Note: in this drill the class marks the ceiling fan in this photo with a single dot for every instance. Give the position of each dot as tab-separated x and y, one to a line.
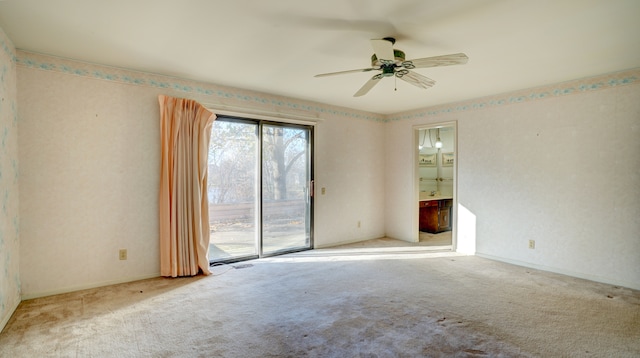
391	62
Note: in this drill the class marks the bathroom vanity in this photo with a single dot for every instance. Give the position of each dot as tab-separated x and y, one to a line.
435	214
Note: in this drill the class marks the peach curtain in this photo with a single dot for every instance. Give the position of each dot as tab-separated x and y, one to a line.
185	128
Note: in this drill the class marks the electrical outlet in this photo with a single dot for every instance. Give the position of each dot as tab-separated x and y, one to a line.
323	191
358	224
532	244
123	254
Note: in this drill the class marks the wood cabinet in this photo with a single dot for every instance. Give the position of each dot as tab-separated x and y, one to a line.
435	215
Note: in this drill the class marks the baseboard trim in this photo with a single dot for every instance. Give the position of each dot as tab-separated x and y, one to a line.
32	295
595	278
346	242
10	313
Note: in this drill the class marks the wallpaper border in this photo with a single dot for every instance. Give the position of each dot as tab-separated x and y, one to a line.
255	99
239	97
587	84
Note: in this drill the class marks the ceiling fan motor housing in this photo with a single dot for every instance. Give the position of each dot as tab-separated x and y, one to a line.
398	54
388	67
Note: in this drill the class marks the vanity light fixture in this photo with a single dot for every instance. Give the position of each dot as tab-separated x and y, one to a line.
438	141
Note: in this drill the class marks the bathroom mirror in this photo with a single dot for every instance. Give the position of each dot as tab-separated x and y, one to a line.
436	158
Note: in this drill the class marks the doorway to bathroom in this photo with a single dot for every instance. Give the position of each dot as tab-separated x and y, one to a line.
435	169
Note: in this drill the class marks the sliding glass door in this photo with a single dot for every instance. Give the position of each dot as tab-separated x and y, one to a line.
259	189
233	190
285	188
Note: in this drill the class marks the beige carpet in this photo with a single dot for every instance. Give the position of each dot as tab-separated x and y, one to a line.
386	301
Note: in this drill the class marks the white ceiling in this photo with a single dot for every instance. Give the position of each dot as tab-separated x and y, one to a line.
277	46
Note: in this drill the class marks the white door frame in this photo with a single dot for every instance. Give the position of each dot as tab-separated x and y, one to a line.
416	178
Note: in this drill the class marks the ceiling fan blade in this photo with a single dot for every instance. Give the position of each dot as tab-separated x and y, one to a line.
343	72
383	49
368	86
444	60
415	79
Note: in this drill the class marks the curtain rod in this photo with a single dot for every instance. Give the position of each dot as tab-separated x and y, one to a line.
261	114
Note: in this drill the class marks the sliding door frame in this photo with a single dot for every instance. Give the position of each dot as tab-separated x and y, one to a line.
259	190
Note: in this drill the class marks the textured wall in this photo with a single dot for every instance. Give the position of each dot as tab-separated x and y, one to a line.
9	216
90	153
558	164
89	163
